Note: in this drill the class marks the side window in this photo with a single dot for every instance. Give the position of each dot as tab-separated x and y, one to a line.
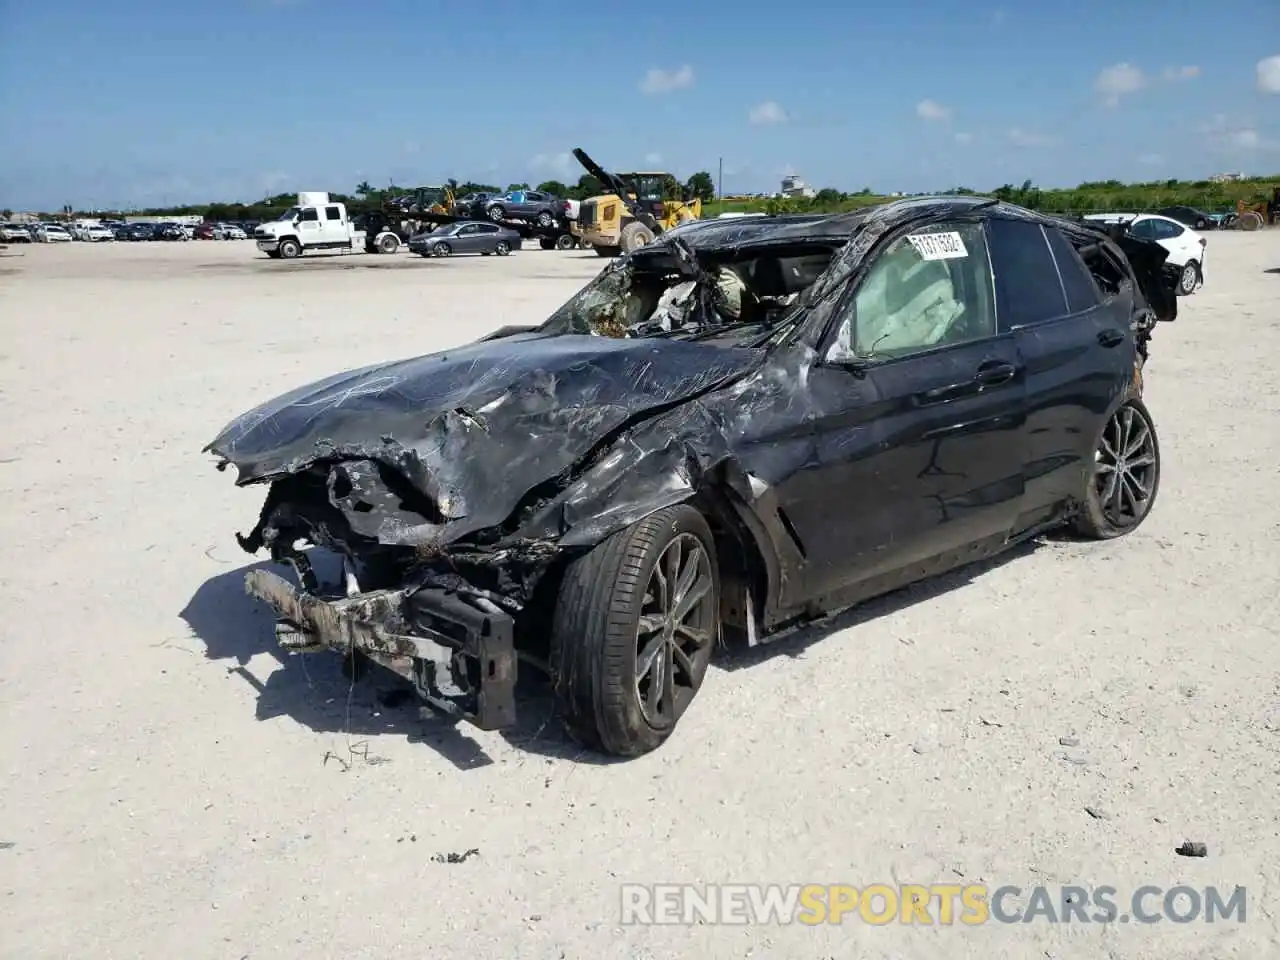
1027	286
469	228
1164	230
1144	229
333	213
489	228
926	290
311	213
1082	293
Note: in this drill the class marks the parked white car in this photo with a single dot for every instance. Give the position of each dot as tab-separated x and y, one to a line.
232	232
1186	247
51	233
95	233
14	233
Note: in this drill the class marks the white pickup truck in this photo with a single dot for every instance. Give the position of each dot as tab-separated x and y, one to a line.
316	223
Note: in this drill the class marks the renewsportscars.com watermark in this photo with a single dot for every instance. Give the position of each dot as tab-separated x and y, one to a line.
924	904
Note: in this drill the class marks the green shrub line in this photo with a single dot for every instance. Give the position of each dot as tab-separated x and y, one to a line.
1095	197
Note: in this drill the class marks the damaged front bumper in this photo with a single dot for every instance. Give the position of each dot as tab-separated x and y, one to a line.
461	658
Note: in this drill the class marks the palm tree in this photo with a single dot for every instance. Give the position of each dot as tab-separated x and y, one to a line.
364	188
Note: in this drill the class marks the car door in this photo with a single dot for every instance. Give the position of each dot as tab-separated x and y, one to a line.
537	202
1077	351
309	231
334	226
487	237
467	239
917	409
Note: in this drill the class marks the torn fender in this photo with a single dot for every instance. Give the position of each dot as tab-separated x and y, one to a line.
430	449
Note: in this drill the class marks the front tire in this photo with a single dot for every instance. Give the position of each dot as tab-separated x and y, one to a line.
1125	476
634	236
635	624
442	250
1189	279
290	249
496	213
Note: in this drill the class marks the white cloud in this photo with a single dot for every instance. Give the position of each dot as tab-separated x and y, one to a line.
653	159
768	112
1180	73
1235	135
1118	81
963	137
1029	138
559	164
658	80
932	110
1151	159
1245	139
1269	75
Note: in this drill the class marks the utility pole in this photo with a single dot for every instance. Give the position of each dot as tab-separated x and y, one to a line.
720	182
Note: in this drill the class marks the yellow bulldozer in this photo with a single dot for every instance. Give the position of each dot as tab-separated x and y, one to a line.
636	208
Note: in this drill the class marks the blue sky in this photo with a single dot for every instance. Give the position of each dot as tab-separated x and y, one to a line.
135	102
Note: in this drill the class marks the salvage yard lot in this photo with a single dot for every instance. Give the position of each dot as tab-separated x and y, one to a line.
172	787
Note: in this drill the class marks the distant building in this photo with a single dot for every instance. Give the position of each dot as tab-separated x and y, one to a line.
1226	177
793	186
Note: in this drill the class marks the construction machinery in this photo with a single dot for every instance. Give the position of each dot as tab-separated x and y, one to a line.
421	200
636	208
1251	216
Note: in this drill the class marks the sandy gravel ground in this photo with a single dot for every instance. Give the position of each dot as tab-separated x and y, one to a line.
172	788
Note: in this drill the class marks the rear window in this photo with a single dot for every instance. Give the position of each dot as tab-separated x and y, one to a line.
1082	293
1027	286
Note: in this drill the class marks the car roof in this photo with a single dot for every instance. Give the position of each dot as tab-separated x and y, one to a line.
821	227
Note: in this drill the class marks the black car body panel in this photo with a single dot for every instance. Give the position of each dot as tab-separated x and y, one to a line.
478	471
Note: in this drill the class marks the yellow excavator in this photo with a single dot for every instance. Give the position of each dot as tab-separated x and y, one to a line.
633	211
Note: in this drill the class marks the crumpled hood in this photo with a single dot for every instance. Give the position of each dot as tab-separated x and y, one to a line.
473	429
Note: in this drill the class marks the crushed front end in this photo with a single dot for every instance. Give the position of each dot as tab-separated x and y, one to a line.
459	657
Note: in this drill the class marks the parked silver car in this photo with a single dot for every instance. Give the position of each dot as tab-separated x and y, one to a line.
466	237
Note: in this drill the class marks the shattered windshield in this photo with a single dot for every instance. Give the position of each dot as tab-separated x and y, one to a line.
659	293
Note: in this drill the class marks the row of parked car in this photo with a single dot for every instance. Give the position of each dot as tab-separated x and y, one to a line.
105	230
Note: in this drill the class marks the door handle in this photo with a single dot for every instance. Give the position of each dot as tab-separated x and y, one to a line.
1111	337
995	371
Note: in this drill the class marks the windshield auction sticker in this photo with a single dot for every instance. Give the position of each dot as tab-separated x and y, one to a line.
938	246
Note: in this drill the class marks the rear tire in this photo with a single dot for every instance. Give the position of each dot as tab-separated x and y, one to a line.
565	241
1125	476
502	248
290	249
1189	279
389	243
496	213
545	219
546	243
635	624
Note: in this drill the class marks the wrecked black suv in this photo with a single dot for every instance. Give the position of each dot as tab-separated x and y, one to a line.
744	426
